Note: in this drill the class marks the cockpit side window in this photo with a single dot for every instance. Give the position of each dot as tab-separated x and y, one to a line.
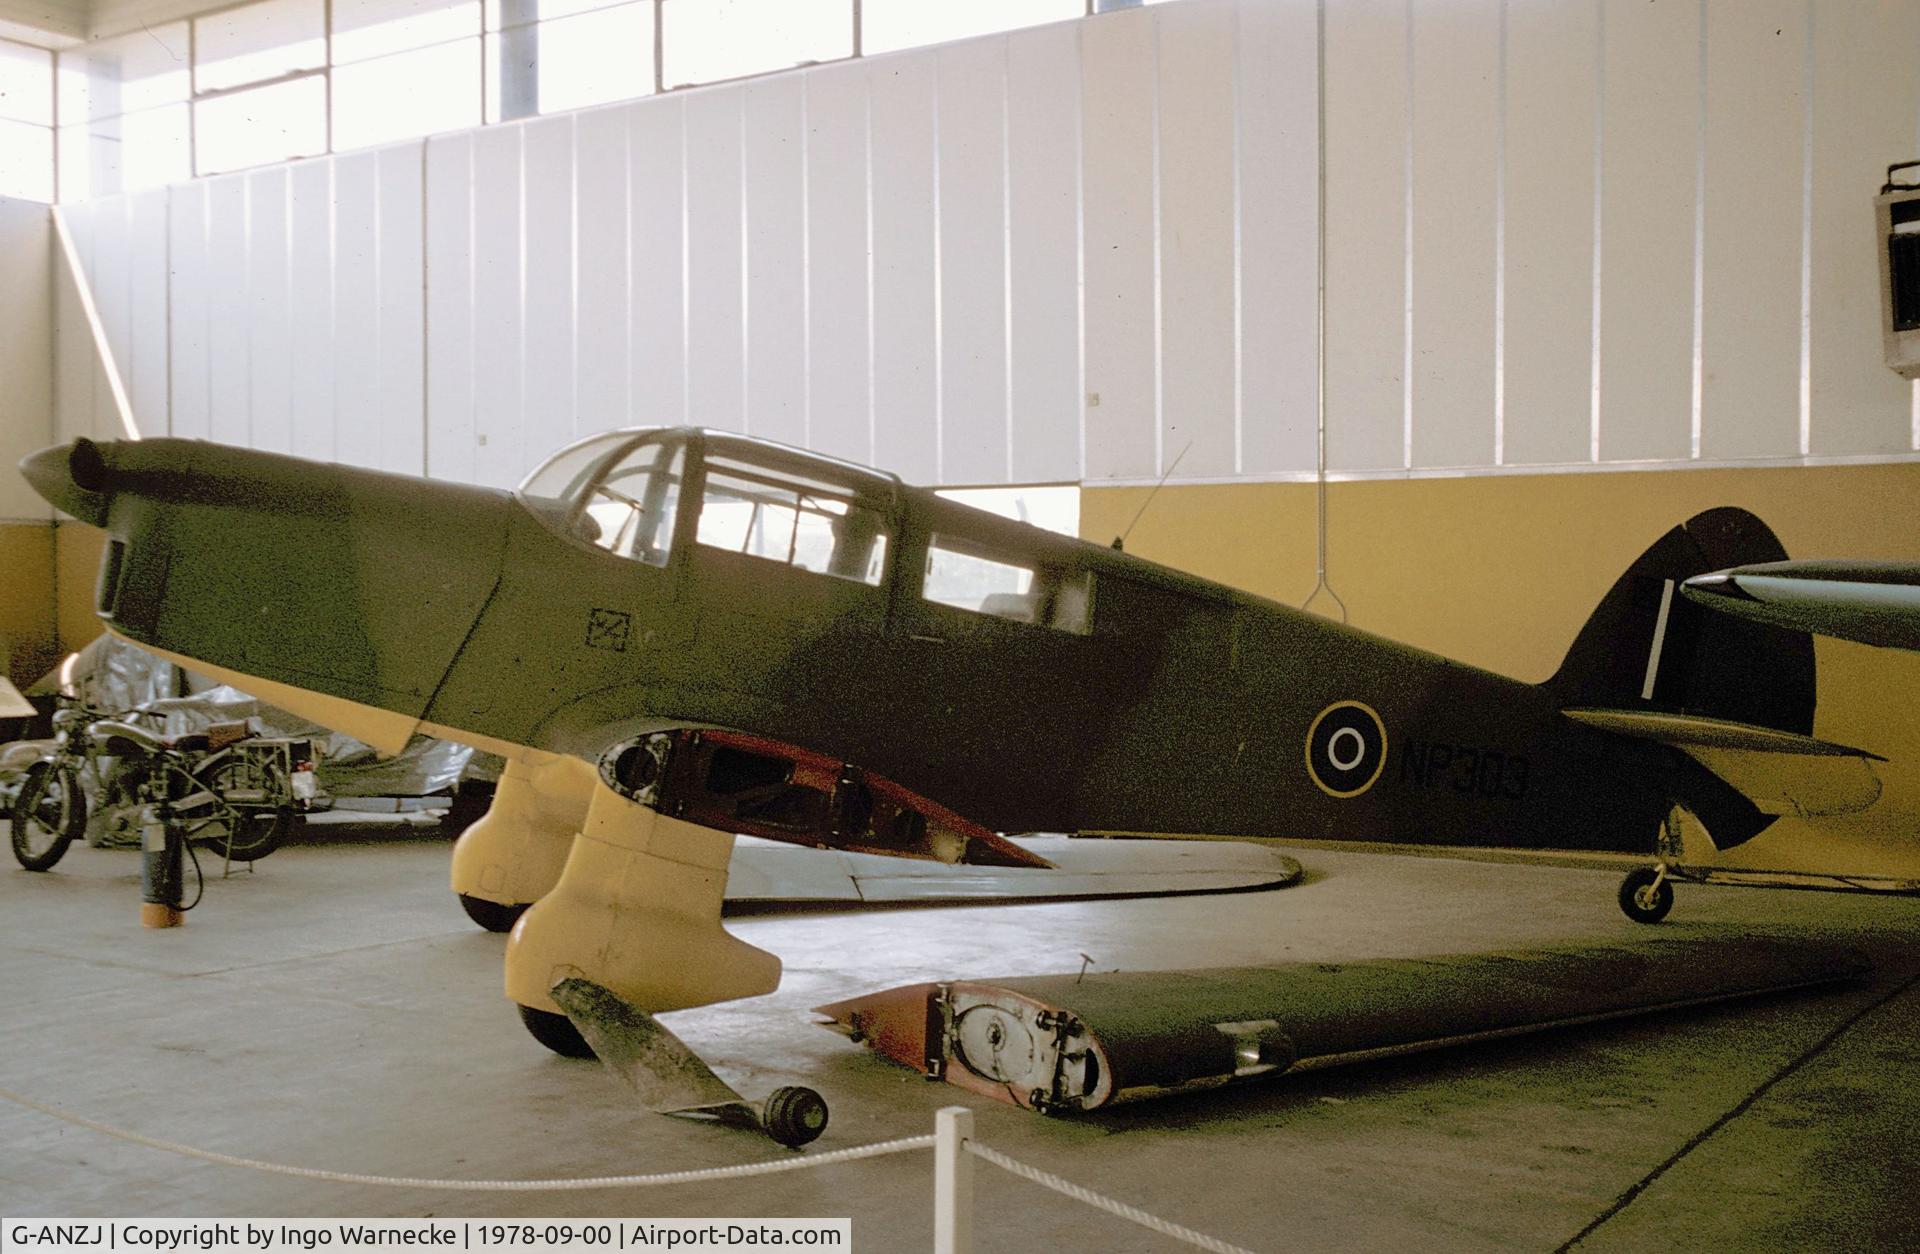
789	518
630	509
971	576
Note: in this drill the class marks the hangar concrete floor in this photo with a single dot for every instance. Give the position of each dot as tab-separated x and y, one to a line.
336	1009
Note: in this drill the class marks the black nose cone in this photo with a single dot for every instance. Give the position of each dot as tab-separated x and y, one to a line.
74	478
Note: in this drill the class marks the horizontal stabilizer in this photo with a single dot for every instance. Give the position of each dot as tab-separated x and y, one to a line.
1782	773
1691	730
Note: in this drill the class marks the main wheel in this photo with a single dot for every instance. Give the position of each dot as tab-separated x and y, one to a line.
47	815
556	1032
469	804
242	833
1646	896
491	914
793	1115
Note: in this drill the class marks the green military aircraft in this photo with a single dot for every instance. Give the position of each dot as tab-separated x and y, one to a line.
677	635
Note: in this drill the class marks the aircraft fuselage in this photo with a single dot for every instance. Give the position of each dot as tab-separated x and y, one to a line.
1159	703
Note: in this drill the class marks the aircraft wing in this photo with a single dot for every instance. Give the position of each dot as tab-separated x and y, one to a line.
1782	773
764	873
1871	602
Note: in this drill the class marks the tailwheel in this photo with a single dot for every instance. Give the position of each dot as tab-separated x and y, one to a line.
491	914
556	1032
1646	895
794	1115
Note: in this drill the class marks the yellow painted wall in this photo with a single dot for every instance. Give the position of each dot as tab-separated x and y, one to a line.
26	600
46	593
1501	571
77	564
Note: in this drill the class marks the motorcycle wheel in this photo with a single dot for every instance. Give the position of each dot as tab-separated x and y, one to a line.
47	815
241	833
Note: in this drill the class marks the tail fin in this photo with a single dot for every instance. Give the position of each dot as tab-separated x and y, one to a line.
1649	648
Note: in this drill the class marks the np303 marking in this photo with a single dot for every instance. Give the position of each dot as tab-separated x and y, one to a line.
1471	769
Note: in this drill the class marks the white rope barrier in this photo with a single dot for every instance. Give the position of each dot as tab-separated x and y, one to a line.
948	1237
740	1171
1100	1201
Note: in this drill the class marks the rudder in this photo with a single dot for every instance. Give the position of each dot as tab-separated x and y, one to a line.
1647	647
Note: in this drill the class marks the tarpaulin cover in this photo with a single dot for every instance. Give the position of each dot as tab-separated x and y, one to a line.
112	675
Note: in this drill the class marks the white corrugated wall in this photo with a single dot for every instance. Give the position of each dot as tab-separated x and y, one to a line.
1560	233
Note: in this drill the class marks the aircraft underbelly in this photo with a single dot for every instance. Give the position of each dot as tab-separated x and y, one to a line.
385	730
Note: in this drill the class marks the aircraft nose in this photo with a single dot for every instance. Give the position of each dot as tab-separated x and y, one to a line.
76	478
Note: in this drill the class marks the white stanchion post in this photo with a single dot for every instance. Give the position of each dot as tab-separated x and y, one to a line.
952	1181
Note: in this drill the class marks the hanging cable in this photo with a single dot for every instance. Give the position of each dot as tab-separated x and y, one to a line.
1320	328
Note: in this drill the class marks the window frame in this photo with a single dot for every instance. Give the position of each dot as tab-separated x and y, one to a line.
1052	574
561	514
485	33
671	459
858	486
50	113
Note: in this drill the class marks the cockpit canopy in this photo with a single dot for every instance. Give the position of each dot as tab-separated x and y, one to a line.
640	493
621	492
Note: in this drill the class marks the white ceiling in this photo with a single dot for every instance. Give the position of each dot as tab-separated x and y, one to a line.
45	23
63	23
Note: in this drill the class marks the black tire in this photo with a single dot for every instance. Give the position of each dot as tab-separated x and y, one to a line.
47	815
556	1032
241	833
491	914
256	833
1642	902
793	1115
469	804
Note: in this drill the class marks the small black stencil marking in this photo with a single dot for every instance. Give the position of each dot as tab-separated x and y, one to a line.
609	629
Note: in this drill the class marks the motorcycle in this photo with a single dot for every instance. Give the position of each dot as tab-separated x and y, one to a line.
234	792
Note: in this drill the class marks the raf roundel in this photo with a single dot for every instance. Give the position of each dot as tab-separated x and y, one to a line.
1346	748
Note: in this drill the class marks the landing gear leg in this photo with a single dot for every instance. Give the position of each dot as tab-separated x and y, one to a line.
637	912
1646	895
510	858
